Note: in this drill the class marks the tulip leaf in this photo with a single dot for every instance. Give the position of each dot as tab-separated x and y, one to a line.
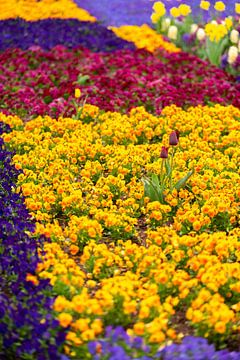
183	181
155	180
152	188
168	168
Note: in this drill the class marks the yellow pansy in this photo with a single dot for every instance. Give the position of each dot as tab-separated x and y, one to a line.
159	8
184	9
175	12
237	8
205	5
219	6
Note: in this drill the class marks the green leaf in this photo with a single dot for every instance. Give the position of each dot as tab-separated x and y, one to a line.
152	190
155	180
148	188
47	99
183	181
168	168
215	50
82	79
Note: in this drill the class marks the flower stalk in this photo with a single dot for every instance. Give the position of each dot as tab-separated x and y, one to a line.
156	185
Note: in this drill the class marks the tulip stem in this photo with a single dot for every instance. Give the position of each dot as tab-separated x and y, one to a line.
161	172
171	167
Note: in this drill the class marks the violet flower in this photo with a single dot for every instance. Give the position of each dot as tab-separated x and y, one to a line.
19	33
23	305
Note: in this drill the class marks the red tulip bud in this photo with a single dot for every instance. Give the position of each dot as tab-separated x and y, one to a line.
164	153
173	138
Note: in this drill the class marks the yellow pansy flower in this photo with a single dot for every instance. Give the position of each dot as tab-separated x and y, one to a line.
77	93
159	8
155	17
237	8
175	12
184	9
204	5
219	6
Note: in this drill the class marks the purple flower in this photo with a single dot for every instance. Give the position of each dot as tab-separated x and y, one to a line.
224	61
34	35
25	305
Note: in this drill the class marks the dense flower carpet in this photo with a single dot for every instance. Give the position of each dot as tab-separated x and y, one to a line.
119	180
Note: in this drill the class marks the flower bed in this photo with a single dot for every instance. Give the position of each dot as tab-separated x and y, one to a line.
115	81
18	33
139	258
119	195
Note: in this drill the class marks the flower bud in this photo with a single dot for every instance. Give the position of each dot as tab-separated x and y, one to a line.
194	28
187	38
165	24
224	61
172	32
77	93
201	34
177	133
164	152
234	36
232	54
174	138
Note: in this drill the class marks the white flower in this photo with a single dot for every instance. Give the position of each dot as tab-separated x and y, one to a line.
194	28
201	34
165	24
234	36
232	54
172	32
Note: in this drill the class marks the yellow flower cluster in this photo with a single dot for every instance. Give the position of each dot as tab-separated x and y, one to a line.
182	10
81	229
210	309
117	256
159	11
57	266
144	37
36	10
215	31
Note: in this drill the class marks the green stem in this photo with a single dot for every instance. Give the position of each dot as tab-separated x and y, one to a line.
171	166
161	173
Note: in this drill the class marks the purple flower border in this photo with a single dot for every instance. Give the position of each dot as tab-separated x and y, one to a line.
27	325
48	33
